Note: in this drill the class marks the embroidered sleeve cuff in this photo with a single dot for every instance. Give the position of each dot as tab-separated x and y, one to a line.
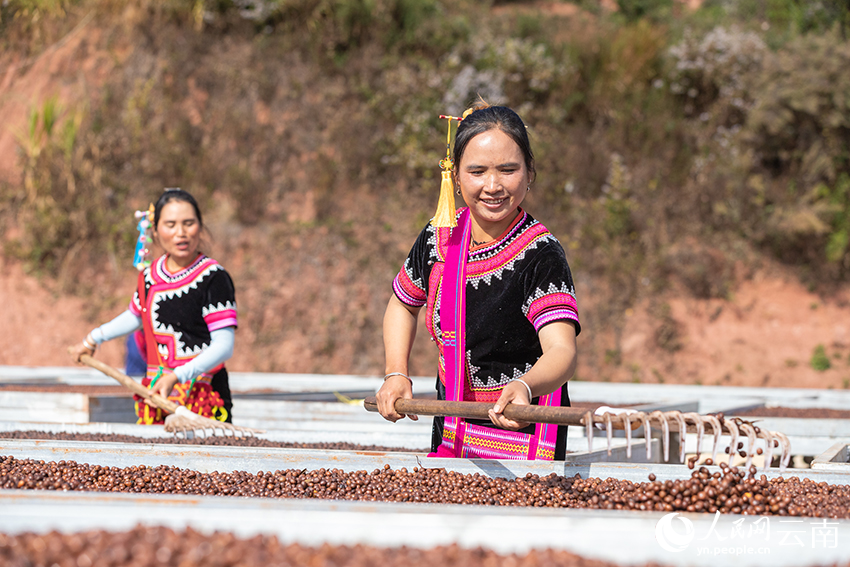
553	307
220	316
407	292
216	323
135	308
556	315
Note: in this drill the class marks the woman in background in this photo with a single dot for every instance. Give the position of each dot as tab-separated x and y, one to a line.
186	304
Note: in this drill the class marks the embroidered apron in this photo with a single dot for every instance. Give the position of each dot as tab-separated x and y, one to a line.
197	395
462	439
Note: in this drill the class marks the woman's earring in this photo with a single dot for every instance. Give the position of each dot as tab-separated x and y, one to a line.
528	188
457	190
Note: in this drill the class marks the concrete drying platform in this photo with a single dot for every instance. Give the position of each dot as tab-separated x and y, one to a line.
640	537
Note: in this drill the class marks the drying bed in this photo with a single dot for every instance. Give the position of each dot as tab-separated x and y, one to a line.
506	530
215	440
143	546
797	413
729	490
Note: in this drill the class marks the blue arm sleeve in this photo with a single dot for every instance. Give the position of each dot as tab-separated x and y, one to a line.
220	350
122	325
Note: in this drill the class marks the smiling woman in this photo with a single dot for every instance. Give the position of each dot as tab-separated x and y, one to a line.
186	304
499	297
493	182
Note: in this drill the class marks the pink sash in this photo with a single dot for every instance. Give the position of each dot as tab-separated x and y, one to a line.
462	439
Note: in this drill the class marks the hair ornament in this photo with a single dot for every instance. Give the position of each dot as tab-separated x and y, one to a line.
445	215
141	258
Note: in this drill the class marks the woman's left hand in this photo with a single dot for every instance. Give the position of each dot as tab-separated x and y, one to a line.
164	385
514	393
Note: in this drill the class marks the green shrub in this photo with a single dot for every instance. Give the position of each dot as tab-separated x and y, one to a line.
67	211
633	10
820	361
798	134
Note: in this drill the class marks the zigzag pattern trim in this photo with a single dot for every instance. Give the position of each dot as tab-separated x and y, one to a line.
407	289
202	268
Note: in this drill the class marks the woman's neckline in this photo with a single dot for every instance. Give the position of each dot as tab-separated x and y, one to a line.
180	270
475	247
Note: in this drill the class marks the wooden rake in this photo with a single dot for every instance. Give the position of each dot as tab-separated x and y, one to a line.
622	419
180	419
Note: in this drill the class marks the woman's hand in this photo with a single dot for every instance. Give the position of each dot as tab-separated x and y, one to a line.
87	346
164	385
514	393
399	332
394	388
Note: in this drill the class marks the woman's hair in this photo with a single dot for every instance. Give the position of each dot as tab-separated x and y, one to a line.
485	117
175	195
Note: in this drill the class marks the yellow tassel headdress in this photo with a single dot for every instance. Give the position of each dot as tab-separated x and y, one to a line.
445	215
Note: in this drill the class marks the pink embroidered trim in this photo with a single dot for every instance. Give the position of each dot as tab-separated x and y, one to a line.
221	319
407	291
551	307
134	307
556	315
479	268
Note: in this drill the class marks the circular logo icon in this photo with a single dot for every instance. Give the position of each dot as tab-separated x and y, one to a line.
668	538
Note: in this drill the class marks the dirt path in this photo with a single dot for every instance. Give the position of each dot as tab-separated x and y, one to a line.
764	335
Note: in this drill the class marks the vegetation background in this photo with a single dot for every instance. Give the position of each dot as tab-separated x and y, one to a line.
686	152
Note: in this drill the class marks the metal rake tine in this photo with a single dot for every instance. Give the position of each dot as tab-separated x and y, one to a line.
627	423
697	419
785	443
608	431
733	444
717	430
665	429
768	441
750	432
683	431
647	434
665	433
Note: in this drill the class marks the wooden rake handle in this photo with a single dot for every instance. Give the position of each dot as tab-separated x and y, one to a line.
479	410
130	384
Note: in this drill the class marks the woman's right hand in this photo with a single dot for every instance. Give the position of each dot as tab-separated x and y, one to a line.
394	388
78	350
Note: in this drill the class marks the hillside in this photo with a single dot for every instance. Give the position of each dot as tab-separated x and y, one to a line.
708	244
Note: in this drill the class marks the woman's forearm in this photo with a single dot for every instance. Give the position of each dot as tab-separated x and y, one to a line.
558	362
124	324
399	333
219	350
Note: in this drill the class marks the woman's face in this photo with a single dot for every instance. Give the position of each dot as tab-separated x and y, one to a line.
493	180
179	232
